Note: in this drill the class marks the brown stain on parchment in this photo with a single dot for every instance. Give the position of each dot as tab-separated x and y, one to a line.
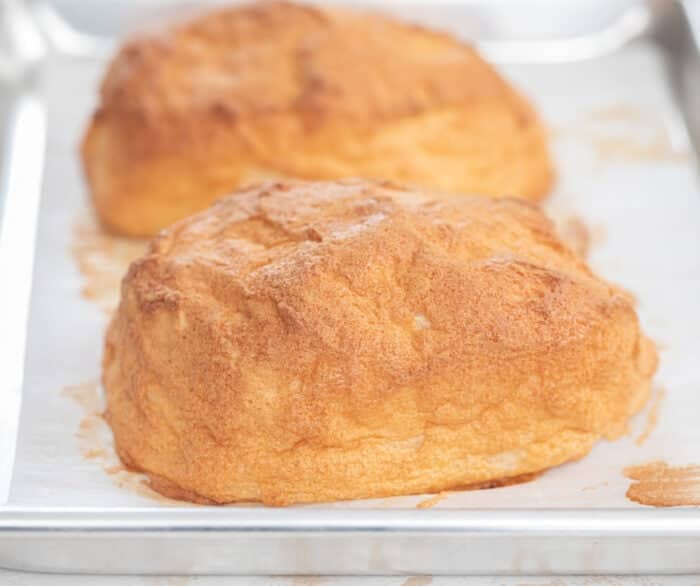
659	148
433	500
622	132
96	445
418	581
86	395
103	260
652	415
616	113
659	485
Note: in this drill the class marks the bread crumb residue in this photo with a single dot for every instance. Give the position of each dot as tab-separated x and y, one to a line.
103	260
96	445
659	485
433	500
652	415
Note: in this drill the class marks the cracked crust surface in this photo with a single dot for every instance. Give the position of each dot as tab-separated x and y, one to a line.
304	342
276	90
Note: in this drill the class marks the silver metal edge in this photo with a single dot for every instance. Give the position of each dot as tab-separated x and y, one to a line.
20	192
682	56
550	522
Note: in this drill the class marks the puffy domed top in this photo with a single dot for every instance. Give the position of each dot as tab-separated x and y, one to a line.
279	90
297	328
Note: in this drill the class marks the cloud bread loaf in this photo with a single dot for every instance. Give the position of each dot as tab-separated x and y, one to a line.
276	90
302	342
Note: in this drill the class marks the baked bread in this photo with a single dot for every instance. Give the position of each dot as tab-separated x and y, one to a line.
275	90
302	342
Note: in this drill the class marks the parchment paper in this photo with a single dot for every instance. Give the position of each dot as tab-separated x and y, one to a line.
625	168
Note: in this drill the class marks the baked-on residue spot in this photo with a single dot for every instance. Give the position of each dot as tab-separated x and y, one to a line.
96	445
433	500
626	133
659	485
652	415
103	260
86	395
418	581
659	148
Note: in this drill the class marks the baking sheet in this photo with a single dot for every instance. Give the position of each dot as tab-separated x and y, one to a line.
625	169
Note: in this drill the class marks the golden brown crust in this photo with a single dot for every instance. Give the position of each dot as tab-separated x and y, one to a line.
304	342
282	90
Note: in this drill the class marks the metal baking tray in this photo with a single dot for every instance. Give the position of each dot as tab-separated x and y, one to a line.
628	170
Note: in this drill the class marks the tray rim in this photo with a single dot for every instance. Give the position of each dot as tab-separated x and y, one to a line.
615	522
